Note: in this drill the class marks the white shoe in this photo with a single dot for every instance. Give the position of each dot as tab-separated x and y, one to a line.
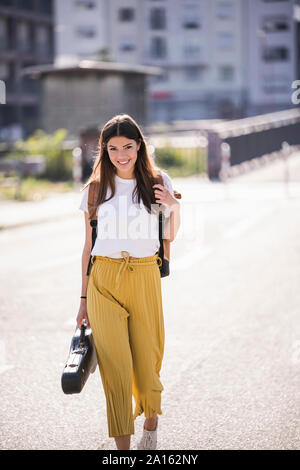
149	439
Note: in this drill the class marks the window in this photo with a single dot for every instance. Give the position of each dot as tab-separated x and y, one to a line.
271	89
23	36
276	54
278	80
44	7
25	4
226	73
86	32
42	40
225	40
191	50
192	74
85	4
191	17
224	10
3	34
158	18
127	45
158	48
6	3
275	23
126	14
276	83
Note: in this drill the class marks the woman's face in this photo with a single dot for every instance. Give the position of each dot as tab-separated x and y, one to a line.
123	154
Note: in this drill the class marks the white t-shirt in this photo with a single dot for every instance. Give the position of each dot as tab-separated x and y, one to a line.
126	225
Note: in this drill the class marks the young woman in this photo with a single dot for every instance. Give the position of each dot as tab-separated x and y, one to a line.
121	297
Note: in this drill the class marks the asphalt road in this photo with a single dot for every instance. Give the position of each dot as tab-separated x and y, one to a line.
231	369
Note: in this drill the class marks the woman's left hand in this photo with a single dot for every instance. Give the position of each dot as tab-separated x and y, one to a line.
163	196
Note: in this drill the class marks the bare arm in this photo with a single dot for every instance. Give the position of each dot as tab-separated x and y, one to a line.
173	222
86	255
82	313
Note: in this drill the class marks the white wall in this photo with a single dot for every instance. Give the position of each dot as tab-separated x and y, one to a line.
72	23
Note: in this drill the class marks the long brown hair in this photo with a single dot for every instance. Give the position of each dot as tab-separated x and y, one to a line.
145	171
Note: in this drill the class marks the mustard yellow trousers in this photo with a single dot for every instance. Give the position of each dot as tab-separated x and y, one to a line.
124	306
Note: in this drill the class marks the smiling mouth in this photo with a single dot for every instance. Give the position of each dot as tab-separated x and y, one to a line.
124	163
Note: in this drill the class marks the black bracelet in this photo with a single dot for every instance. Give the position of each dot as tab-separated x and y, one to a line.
83	297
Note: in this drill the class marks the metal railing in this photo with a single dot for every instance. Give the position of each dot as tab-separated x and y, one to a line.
251	138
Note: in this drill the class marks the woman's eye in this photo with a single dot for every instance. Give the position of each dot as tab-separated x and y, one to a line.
127	148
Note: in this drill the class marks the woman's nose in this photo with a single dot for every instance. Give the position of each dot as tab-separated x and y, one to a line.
121	153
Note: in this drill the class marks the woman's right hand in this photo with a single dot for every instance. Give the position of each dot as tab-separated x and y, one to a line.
82	315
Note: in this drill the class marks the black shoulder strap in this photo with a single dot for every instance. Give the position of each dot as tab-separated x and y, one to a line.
93	224
161	249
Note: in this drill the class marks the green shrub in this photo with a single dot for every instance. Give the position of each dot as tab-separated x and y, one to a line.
58	162
181	161
169	156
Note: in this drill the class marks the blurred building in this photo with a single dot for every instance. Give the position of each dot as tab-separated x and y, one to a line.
81	30
272	55
297	29
26	38
220	59
199	45
83	96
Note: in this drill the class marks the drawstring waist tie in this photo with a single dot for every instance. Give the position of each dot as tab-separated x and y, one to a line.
127	262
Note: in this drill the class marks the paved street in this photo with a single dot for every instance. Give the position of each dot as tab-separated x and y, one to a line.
231	369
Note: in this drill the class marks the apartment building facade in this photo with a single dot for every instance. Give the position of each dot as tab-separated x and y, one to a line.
80	30
198	45
272	54
219	58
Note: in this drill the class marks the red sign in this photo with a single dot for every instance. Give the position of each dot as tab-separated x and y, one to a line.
160	95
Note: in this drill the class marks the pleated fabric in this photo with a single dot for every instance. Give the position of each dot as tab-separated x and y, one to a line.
124	305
